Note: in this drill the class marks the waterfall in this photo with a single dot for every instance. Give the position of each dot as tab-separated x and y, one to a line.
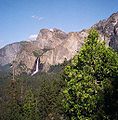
36	68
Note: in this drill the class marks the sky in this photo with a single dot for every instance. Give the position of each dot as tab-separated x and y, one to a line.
23	19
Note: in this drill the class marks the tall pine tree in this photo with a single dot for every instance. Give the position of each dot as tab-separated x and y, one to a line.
89	80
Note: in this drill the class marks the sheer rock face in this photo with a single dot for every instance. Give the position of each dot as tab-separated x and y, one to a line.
57	45
66	50
50	38
109	30
20	52
9	53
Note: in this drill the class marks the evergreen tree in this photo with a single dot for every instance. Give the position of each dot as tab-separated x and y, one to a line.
49	99
30	109
89	80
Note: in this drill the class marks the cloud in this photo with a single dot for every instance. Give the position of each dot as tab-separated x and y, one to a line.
37	17
32	37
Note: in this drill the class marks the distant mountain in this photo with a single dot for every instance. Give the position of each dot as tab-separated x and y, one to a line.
55	46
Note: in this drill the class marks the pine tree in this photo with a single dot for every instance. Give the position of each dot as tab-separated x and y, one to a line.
88	80
30	109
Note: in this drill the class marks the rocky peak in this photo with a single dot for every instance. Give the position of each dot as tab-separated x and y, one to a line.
51	33
44	34
113	18
107	26
109	30
50	38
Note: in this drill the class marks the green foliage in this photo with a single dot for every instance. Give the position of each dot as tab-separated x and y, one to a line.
41	98
13	111
37	53
59	68
49	100
47	87
30	110
88	78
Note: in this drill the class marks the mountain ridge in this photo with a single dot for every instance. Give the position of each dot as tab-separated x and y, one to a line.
58	45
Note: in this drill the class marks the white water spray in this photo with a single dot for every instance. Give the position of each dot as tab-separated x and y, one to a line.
37	67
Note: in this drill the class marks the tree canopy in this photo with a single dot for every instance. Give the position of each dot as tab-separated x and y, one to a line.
89	80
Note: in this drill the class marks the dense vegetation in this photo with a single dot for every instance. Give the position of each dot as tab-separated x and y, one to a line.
86	89
32	98
92	82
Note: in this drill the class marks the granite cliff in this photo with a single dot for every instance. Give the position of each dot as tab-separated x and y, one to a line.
55	45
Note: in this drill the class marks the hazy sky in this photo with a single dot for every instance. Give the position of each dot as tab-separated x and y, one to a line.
20	19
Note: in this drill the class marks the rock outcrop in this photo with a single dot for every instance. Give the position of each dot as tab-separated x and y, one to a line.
65	50
50	38
9	53
109	30
55	45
